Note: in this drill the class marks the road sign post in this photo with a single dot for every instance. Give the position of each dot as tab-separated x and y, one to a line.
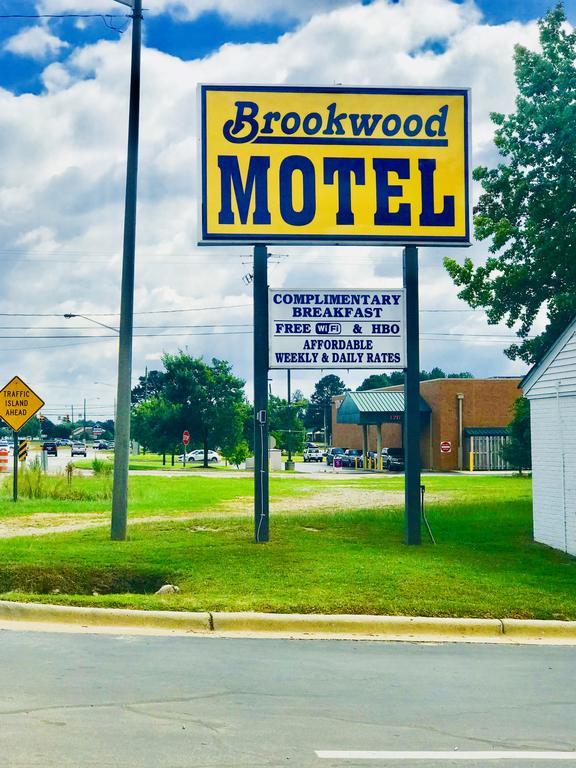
15	457
185	441
18	403
261	507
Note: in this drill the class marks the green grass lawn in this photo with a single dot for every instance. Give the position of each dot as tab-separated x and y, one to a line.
147	461
346	558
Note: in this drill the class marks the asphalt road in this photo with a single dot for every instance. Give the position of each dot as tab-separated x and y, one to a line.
150	702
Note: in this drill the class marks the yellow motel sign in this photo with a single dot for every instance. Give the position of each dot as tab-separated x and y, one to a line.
18	403
335	165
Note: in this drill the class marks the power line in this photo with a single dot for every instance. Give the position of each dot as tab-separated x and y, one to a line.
117	314
91	328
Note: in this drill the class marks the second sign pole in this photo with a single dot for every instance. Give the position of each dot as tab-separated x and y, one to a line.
412	398
261	522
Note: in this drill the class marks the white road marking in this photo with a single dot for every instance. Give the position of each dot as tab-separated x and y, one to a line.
452	755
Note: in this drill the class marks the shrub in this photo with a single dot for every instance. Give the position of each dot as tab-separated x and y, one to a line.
102	468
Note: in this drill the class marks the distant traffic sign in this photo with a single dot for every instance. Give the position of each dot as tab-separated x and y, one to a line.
186	437
446	446
22	450
18	403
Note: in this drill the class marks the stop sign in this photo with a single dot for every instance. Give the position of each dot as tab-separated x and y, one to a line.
445	446
185	437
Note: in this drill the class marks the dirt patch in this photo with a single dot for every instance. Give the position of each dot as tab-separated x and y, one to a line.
311	500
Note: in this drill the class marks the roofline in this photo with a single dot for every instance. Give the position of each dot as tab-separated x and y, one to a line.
534	373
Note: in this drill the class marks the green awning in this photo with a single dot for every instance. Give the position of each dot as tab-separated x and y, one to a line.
374	407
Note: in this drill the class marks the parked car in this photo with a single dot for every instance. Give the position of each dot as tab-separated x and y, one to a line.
352	458
78	449
313	454
393	459
331	452
50	447
198	455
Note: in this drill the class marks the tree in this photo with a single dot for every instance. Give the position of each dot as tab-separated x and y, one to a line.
528	204
396	378
149	385
319	411
517	451
211	399
156	425
286	423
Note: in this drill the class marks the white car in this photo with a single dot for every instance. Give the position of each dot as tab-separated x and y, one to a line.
198	455
313	454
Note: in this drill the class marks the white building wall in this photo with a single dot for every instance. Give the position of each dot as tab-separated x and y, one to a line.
553	422
561	369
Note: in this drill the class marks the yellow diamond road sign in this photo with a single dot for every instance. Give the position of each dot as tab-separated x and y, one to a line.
18	403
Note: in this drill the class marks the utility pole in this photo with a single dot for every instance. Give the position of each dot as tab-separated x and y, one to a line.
84	425
123	396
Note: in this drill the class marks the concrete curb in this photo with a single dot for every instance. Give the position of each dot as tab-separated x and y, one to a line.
410	628
98	617
539	630
407	627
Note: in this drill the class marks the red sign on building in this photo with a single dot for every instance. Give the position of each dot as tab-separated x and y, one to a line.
446	446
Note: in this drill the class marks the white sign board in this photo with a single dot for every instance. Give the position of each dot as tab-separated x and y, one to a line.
337	329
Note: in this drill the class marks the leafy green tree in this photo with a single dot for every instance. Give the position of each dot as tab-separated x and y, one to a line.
286	423
236	454
517	451
319	411
150	385
211	399
396	378
62	430
156	425
528	205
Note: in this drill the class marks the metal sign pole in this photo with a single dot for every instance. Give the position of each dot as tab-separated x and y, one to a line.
261	522
15	465
412	398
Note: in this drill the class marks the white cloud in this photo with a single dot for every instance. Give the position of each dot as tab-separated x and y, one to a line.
35	42
62	188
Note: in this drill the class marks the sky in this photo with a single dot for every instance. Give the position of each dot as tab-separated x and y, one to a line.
63	127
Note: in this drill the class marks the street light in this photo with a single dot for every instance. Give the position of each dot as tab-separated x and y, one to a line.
69	315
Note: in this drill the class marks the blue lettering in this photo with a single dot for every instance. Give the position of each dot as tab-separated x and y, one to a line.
440	119
344	167
429	217
246	111
256	185
385	190
364	123
287	168
413	125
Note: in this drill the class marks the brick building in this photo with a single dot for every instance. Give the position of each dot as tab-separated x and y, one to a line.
467	416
